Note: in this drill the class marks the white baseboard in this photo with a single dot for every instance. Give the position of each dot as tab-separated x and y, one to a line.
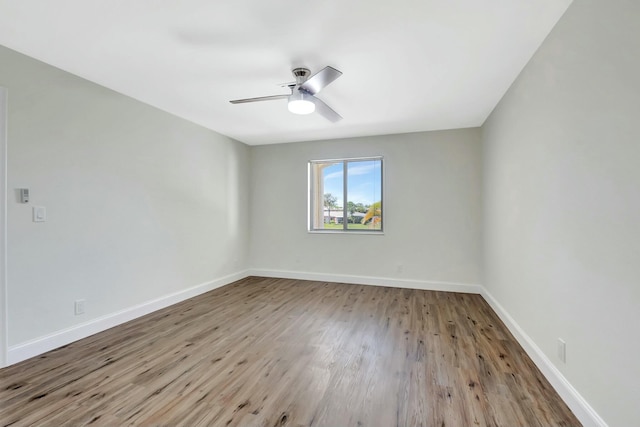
585	413
35	347
582	410
367	280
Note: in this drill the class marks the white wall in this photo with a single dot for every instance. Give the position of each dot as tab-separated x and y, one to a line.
140	204
562	202
432	209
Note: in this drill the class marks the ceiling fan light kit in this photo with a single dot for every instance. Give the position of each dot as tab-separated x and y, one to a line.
301	103
302	99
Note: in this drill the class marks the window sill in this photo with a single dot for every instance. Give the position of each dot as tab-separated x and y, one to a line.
370	233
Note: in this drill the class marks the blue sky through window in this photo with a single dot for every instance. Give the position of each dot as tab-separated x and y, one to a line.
364	181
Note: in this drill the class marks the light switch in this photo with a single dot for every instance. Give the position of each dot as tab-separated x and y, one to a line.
39	214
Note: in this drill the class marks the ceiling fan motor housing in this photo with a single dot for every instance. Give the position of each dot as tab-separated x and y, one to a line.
301	74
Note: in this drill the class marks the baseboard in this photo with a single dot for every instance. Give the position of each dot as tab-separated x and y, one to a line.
582	410
368	280
585	413
26	350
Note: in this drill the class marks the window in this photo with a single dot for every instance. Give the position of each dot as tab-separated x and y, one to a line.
345	195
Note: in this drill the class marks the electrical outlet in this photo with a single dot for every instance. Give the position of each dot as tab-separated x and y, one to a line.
562	350
79	307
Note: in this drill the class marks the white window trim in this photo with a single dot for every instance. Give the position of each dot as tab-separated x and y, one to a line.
311	204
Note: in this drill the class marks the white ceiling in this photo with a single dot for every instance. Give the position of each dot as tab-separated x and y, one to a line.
409	65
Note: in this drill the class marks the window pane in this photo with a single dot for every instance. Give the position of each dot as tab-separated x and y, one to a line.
364	195
346	194
327	181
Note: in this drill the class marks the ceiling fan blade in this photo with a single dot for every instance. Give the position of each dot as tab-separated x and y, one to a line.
325	111
261	98
288	84
319	80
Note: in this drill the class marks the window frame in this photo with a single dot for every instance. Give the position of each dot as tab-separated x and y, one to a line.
311	205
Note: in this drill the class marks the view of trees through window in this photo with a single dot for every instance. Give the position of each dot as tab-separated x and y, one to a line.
346	194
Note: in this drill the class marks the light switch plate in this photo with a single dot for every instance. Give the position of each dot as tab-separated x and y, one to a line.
39	214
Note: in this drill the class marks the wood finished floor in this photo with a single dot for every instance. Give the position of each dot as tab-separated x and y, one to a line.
276	352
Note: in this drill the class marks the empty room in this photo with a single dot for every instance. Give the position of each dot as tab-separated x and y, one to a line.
289	213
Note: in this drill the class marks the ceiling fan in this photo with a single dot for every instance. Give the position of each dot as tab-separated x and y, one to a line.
302	99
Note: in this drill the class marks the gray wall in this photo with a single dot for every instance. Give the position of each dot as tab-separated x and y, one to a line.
432	209
140	203
562	202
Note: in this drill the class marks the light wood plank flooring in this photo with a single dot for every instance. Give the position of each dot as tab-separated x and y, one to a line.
275	352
